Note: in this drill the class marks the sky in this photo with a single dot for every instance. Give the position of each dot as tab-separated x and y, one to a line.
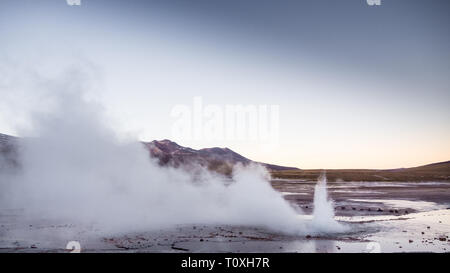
357	86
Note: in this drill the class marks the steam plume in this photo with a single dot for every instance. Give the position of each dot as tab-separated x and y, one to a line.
77	170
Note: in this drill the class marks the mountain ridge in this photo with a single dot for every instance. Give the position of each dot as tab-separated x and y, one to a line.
169	152
222	160
214	158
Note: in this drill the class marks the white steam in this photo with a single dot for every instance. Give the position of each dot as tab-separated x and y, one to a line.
323	214
76	170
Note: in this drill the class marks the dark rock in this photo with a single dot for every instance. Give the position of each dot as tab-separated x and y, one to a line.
342	208
428	227
353	208
179	248
443	239
308	236
201	240
33	246
380	210
410	241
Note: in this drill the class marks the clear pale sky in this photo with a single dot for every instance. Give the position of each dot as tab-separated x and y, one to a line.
357	86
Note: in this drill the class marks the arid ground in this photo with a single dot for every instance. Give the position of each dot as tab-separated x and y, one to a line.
381	216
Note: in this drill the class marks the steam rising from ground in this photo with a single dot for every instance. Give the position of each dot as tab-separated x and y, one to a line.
77	170
323	215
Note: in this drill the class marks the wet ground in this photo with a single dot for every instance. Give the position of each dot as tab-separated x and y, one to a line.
381	216
370	198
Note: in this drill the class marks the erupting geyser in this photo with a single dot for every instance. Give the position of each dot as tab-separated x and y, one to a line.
323	214
76	170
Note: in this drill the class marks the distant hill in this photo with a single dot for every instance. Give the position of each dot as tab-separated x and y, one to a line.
218	159
434	167
168	152
222	160
432	172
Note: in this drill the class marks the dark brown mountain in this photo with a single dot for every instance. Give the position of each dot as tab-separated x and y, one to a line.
168	153
223	159
218	159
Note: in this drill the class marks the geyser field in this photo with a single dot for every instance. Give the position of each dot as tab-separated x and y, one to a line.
77	181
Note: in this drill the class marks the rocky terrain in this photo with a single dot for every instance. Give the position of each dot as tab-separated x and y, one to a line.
382	213
381	217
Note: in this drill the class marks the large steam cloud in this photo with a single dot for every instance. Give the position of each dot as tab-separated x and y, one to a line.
76	169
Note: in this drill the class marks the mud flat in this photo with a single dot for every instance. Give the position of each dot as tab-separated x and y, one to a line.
370	198
381	216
